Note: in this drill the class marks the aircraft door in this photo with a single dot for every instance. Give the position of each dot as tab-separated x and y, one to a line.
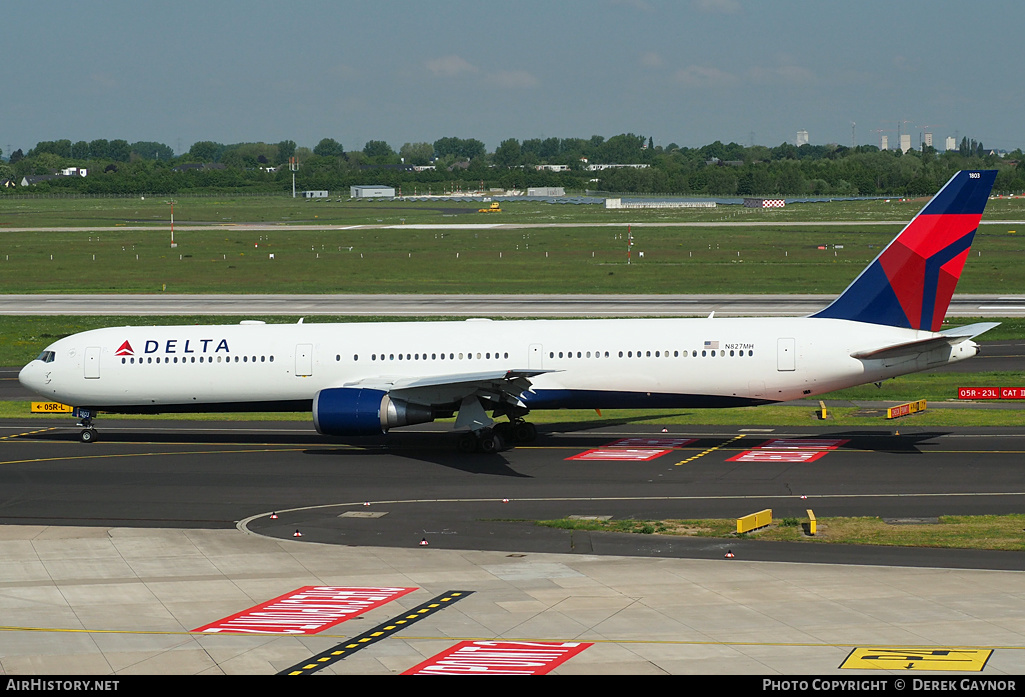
535	357
91	365
303	360
786	354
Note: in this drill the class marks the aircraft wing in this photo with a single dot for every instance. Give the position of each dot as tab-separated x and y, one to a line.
497	385
949	337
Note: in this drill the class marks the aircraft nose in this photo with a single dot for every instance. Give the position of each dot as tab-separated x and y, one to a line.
31	376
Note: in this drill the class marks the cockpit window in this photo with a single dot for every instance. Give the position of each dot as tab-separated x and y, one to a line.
47	356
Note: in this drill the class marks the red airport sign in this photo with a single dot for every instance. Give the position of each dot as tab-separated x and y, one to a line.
991	392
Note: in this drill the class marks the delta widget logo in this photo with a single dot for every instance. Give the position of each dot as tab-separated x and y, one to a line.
125	350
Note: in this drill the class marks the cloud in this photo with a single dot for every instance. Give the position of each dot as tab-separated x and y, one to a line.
450	66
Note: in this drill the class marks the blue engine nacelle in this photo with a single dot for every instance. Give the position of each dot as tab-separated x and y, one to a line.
348	411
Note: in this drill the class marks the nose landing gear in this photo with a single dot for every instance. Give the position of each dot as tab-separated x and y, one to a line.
88	434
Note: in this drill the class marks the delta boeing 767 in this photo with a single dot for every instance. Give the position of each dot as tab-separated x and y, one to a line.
366	378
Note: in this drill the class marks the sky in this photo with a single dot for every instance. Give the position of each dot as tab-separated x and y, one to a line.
688	72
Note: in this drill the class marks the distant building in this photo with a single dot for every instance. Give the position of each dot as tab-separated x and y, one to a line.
927	139
545	191
393	168
885	144
905	142
320	193
950	143
802	138
36	179
552	168
598	168
371	191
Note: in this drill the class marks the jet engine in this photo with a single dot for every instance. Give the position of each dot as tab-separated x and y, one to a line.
349	411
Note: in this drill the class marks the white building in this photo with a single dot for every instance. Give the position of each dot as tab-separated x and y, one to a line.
950	144
802	138
598	168
905	142
371	191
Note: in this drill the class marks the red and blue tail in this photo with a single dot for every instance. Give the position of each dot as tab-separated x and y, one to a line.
911	282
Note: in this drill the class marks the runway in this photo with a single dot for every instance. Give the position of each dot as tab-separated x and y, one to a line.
111	553
467	305
204	474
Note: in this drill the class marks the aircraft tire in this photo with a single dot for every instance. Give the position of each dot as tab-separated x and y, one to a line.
467	442
87	435
524	432
491	443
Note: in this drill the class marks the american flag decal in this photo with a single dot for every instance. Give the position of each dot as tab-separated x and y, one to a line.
711	344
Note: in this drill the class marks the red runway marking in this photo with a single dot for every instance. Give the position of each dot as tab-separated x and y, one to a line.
653	442
626	454
803	443
778	456
790	450
306	610
499	658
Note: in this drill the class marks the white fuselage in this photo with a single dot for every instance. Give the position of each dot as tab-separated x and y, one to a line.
605	363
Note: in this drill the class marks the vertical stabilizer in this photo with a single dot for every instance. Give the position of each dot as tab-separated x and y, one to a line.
911	282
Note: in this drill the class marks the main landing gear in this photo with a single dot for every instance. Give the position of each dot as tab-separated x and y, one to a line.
88	434
497	438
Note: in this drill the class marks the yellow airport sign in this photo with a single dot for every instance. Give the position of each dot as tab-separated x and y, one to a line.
754	521
906	409
51	408
917	658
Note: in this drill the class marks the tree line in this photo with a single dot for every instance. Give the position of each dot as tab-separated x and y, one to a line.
451	163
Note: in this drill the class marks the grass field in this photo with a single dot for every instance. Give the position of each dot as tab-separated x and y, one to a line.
226	209
568	419
964	532
572	259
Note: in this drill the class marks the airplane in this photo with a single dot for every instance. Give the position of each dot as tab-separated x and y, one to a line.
367	378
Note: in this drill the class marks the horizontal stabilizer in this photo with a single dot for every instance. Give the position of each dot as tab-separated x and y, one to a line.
949	337
970	331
